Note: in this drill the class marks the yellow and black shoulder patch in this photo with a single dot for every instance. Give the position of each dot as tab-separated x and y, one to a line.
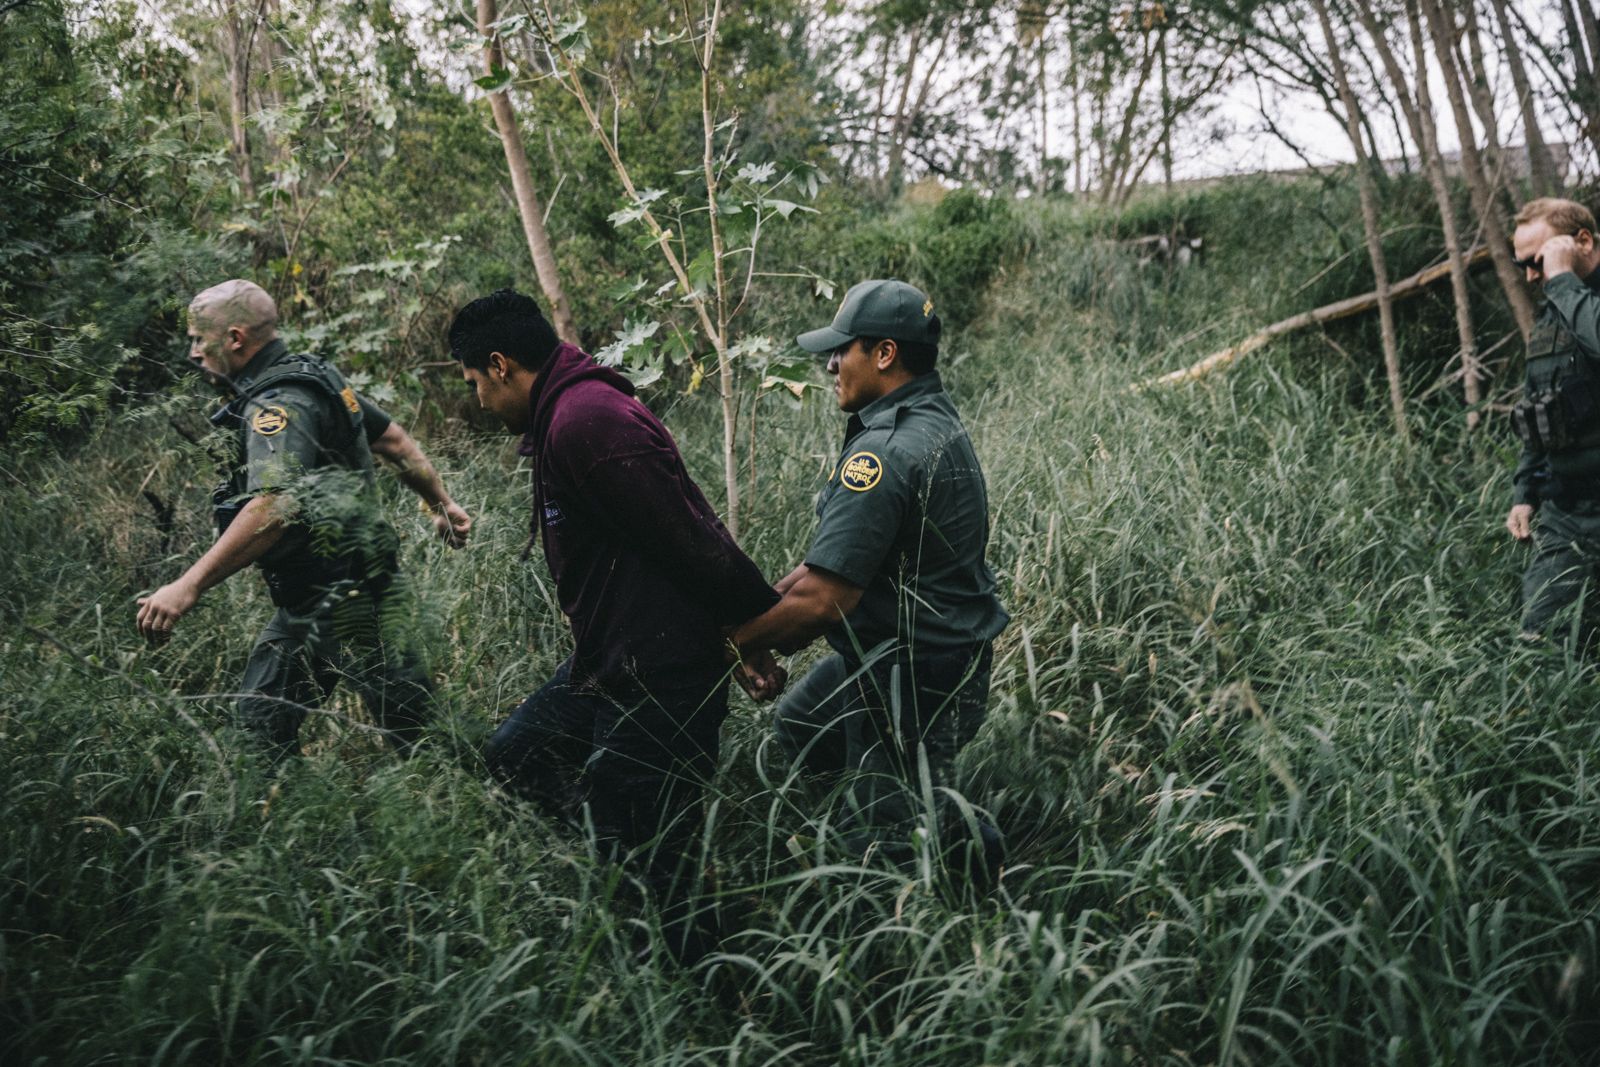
861	472
269	421
349	396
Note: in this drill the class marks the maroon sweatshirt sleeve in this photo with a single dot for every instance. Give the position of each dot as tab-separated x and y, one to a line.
630	473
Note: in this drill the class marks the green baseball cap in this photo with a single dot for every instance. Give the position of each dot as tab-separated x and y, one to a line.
878	308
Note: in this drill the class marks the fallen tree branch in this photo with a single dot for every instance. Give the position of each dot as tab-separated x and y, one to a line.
1340	309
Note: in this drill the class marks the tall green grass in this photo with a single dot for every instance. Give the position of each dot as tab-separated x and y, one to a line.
1279	783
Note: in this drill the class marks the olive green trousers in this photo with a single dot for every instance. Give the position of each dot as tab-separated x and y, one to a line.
1562	573
350	634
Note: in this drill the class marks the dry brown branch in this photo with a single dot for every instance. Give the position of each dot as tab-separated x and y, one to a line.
1339	309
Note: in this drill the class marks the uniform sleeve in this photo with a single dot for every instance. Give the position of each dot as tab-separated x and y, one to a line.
1524	484
374	420
864	512
1578	307
282	438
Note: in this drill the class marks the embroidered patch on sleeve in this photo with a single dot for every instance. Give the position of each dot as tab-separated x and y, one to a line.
269	421
861	472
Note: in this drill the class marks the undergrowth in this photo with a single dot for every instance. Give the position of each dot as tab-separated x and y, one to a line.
1279	783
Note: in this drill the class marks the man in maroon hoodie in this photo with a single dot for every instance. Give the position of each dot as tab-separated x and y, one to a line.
649	578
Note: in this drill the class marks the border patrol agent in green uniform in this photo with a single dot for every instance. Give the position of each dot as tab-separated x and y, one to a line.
299	430
896	580
1558	417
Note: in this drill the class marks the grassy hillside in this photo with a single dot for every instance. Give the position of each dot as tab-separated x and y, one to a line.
1279	782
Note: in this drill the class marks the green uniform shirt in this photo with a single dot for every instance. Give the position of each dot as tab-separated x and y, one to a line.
905	515
1570	318
295	430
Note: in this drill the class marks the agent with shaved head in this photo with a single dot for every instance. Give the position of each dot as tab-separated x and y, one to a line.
299	501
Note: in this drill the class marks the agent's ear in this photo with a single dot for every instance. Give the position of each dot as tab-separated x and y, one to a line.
884	353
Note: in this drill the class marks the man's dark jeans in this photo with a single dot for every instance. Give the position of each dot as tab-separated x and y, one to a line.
894	728
640	759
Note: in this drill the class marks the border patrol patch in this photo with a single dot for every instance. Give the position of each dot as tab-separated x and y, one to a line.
349	396
861	472
269	421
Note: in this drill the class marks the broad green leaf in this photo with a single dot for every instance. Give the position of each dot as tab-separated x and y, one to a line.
497	79
625	288
807	177
788	207
702	270
645	375
756	173
678	347
632	335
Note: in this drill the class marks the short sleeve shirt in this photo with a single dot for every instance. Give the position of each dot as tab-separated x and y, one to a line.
905	516
285	429
290	430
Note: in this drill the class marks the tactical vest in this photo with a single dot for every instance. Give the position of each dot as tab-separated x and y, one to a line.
298	573
1560	410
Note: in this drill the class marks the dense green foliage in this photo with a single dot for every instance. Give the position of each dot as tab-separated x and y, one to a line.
1280	785
91	214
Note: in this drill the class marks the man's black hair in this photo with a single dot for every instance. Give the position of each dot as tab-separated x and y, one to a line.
919	357
507	322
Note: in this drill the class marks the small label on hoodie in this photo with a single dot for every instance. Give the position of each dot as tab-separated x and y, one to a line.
552	513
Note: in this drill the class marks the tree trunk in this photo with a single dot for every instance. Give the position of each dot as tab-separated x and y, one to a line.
1044	116
1583	84
1419	117
240	27
1166	119
903	130
1541	167
730	410
1591	33
528	206
896	139
877	114
1483	199
1121	155
1077	125
1483	103
271	52
1369	219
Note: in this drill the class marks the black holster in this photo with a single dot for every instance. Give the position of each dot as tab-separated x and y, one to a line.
1557	419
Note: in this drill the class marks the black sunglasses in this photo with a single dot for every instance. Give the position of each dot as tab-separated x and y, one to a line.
1533	262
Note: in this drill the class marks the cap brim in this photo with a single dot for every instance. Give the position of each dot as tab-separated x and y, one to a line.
823	340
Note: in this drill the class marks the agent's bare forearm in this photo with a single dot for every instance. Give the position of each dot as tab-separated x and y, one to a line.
813	600
253	531
787	581
401	450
